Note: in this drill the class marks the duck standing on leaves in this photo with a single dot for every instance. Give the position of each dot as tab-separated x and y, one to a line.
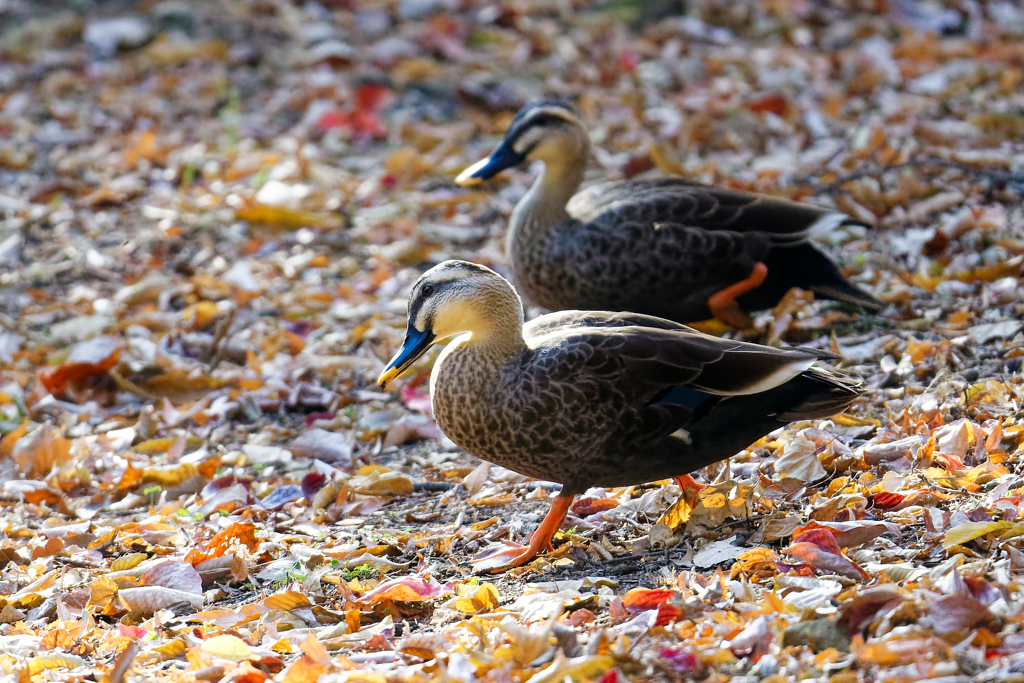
673	248
588	398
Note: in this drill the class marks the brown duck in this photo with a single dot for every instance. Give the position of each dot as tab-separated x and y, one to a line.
592	398
673	248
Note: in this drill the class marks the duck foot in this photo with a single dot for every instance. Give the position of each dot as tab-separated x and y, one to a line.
689	488
723	302
503	557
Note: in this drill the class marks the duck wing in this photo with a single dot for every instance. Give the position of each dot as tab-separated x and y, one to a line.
693	204
654	354
666	245
621	403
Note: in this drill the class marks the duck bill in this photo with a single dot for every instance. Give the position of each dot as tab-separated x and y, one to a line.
503	157
415	345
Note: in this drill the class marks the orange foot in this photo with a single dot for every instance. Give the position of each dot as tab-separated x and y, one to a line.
690	488
502	558
723	302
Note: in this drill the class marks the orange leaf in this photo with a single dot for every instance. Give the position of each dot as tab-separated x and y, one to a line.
303	670
7	443
37	453
130	478
240	533
87	359
208	468
316	652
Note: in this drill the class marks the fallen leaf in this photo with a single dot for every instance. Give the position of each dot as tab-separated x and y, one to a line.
227	647
287	601
87	359
970	531
484	599
150	599
799	460
180	576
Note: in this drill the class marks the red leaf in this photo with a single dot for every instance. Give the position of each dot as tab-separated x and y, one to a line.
332	119
132	631
416	398
667	614
887	500
311	483
819	536
588	505
406	589
642	599
370	96
775	103
819	549
681	661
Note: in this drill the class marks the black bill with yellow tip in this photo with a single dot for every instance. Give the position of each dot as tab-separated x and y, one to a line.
415	345
503	157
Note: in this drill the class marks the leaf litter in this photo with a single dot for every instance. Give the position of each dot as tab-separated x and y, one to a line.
209	221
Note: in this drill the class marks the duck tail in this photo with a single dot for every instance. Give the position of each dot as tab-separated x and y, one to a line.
809	268
824	393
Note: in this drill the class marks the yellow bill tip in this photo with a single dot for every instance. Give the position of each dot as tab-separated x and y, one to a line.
387	376
468	177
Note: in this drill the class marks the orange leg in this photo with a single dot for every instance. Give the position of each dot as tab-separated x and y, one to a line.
723	302
495	561
689	488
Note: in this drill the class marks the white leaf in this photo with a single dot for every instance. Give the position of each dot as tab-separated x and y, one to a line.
799	460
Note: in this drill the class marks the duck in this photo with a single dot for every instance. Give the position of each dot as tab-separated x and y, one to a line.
669	247
596	398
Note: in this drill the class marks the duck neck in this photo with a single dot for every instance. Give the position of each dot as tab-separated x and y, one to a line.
541	211
475	362
500	342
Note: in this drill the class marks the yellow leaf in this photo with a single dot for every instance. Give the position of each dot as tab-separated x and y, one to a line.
155	446
484	600
287	601
367	470
172	650
201	314
677	515
103	591
126	562
227	647
575	669
283	646
170	477
382	484
54	661
845	420
364	677
288	219
969	531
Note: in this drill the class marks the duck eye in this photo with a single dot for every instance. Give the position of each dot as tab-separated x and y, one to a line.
427	290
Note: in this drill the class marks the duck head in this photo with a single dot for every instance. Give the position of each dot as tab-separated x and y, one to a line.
547	131
457	298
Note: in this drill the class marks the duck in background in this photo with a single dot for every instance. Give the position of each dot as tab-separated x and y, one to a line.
588	398
673	248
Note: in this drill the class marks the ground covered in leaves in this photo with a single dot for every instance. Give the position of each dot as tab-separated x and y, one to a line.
210	214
